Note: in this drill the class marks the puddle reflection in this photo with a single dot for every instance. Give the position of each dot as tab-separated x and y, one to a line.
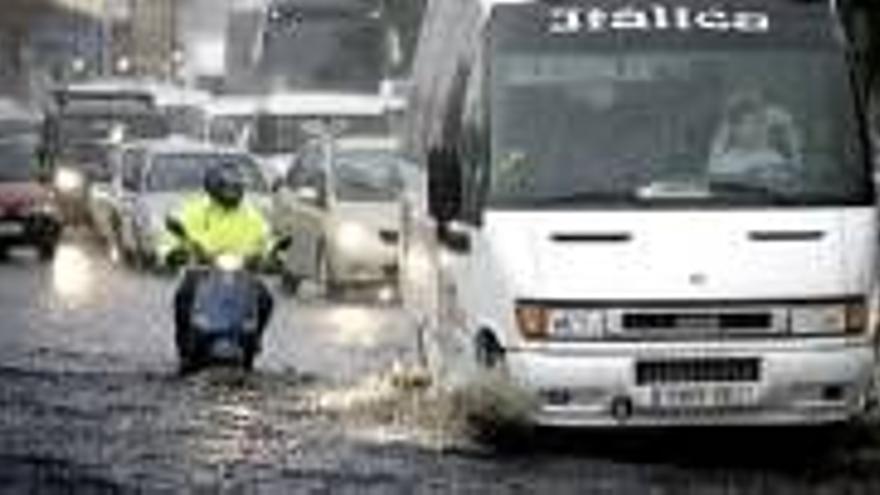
73	274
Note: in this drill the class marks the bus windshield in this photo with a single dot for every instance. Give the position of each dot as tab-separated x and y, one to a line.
657	126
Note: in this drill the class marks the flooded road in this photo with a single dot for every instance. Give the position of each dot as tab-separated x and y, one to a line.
89	403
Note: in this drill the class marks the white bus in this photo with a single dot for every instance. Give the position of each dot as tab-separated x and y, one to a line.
650	213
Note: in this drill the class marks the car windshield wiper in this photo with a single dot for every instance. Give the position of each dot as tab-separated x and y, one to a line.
751	189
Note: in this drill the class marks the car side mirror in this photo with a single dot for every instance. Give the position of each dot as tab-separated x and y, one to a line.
444	184
174	226
283	244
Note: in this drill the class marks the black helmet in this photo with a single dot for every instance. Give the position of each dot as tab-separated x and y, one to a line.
224	183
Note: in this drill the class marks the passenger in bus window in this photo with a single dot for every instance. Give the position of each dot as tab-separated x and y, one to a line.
755	138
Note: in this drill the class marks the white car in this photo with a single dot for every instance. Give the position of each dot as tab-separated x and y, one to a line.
150	180
340	202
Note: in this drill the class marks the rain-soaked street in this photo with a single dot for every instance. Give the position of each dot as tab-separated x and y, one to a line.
91	404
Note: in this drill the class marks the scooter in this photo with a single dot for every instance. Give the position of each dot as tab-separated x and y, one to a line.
224	316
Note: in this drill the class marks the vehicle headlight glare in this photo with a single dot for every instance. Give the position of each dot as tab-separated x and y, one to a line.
351	236
229	262
44	209
68	180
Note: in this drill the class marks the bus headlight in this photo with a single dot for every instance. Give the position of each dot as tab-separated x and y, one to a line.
69	180
856	318
533	321
850	318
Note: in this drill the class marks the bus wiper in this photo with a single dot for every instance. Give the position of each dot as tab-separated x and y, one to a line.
591	197
753	189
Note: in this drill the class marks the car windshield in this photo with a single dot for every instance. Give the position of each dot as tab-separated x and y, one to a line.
18	159
185	171
227	130
661	126
274	134
368	175
93	124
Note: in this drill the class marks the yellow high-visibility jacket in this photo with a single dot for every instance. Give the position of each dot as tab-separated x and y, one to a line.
242	231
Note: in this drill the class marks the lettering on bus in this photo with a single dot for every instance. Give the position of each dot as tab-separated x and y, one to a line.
571	20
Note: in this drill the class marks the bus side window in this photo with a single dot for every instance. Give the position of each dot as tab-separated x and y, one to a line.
474	143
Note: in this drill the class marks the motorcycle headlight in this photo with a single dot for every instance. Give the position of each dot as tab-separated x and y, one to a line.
229	262
69	180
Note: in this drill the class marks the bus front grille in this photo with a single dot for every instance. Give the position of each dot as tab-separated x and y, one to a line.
648	321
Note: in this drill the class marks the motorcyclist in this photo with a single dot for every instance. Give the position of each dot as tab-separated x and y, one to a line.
220	221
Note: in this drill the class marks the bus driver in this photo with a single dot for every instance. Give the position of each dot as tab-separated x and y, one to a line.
755	138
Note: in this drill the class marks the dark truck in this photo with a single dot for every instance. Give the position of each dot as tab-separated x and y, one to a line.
82	126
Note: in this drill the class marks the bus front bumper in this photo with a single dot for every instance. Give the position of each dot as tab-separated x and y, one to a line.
773	383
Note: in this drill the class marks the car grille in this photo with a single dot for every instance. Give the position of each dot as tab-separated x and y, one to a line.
698	370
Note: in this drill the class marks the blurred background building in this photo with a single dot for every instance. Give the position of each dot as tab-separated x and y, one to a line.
206	42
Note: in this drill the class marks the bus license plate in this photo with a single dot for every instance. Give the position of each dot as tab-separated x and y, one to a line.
10	228
703	396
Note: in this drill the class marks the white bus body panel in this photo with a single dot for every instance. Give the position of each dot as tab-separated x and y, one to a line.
691	257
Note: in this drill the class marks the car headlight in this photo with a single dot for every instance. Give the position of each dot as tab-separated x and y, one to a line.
352	236
229	262
848	318
538	322
69	180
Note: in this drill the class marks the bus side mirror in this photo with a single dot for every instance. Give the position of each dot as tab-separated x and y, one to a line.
444	184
